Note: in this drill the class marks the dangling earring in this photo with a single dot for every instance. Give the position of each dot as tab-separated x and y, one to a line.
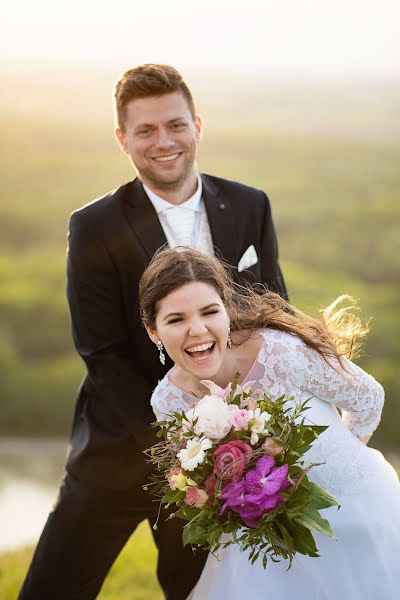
229	340
161	353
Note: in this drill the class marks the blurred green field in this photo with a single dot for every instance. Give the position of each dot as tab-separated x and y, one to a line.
333	186
133	575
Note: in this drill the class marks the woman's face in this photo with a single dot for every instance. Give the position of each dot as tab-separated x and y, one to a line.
193	324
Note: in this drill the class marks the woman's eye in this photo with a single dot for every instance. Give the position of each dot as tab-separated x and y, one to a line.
211	312
174	321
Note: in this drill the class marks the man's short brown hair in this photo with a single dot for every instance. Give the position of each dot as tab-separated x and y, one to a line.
148	80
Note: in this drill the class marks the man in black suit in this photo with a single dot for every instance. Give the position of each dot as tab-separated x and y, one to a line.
111	241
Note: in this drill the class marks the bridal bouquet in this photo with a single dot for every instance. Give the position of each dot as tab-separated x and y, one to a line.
233	465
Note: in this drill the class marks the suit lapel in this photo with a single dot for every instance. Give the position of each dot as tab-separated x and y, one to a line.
220	218
143	219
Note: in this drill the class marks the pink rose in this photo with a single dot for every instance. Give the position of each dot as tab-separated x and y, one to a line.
240	418
272	447
171	477
230	460
196	497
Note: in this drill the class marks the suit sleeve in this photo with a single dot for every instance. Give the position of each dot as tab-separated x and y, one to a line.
270	270
100	334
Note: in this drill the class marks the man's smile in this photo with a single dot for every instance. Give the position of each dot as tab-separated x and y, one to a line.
166	157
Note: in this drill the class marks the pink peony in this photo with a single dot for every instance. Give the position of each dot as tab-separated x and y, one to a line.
196	497
240	419
230	460
211	417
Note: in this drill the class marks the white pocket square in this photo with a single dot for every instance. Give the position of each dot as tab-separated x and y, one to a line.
248	259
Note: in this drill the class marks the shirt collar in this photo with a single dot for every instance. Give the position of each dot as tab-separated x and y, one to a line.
193	203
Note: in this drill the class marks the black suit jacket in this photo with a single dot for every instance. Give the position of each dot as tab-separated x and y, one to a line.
111	240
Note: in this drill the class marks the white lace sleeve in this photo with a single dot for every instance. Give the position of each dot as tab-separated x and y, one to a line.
357	394
167	399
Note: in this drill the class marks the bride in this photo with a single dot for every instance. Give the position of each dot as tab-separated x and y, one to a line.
212	328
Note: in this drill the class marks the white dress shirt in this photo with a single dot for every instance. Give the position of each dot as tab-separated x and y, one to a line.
184	224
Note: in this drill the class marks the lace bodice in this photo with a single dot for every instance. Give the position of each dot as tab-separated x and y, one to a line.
285	365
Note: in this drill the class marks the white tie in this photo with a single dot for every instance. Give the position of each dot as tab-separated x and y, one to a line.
180	221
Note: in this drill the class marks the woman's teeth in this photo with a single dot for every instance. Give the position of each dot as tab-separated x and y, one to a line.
200	348
201	351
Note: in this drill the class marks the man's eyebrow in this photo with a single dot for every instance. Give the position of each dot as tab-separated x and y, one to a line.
140	125
179	314
177	119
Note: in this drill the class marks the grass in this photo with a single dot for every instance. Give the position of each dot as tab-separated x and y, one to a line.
132	577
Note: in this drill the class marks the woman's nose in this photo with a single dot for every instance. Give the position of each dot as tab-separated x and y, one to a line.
197	327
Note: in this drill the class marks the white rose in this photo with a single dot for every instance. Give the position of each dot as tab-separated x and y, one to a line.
213	416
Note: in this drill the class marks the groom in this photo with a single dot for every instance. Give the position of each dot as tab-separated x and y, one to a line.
111	240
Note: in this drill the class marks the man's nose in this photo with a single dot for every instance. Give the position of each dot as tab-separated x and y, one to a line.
164	138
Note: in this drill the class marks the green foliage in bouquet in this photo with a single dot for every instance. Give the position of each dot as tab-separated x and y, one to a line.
233	468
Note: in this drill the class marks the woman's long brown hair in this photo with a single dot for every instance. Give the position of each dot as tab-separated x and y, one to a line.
335	336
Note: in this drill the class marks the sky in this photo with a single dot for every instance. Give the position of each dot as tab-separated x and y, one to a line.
332	38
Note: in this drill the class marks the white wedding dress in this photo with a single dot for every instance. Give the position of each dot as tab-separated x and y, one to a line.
362	563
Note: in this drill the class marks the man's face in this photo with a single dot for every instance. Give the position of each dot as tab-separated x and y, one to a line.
161	139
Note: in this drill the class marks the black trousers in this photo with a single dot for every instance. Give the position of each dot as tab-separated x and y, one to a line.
86	531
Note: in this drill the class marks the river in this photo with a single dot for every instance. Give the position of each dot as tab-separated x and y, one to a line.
30	473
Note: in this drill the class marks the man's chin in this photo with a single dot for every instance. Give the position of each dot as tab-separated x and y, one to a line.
167	182
167	185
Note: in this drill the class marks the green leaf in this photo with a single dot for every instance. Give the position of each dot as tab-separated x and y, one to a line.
173	496
303	540
188	513
321	498
254	558
287	538
311	519
189	534
264	561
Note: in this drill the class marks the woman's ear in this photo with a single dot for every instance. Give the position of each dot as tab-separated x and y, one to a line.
152	333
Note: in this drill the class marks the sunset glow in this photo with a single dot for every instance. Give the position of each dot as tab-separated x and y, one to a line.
308	37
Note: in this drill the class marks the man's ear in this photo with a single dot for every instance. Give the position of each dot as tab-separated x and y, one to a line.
198	125
152	333
121	139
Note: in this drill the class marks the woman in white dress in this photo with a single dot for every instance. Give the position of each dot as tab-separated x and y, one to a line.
212	328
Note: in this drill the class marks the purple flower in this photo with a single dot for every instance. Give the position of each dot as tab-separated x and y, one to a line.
257	493
233	494
266	479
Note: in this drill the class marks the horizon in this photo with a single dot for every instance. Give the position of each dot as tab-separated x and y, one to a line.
356	108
